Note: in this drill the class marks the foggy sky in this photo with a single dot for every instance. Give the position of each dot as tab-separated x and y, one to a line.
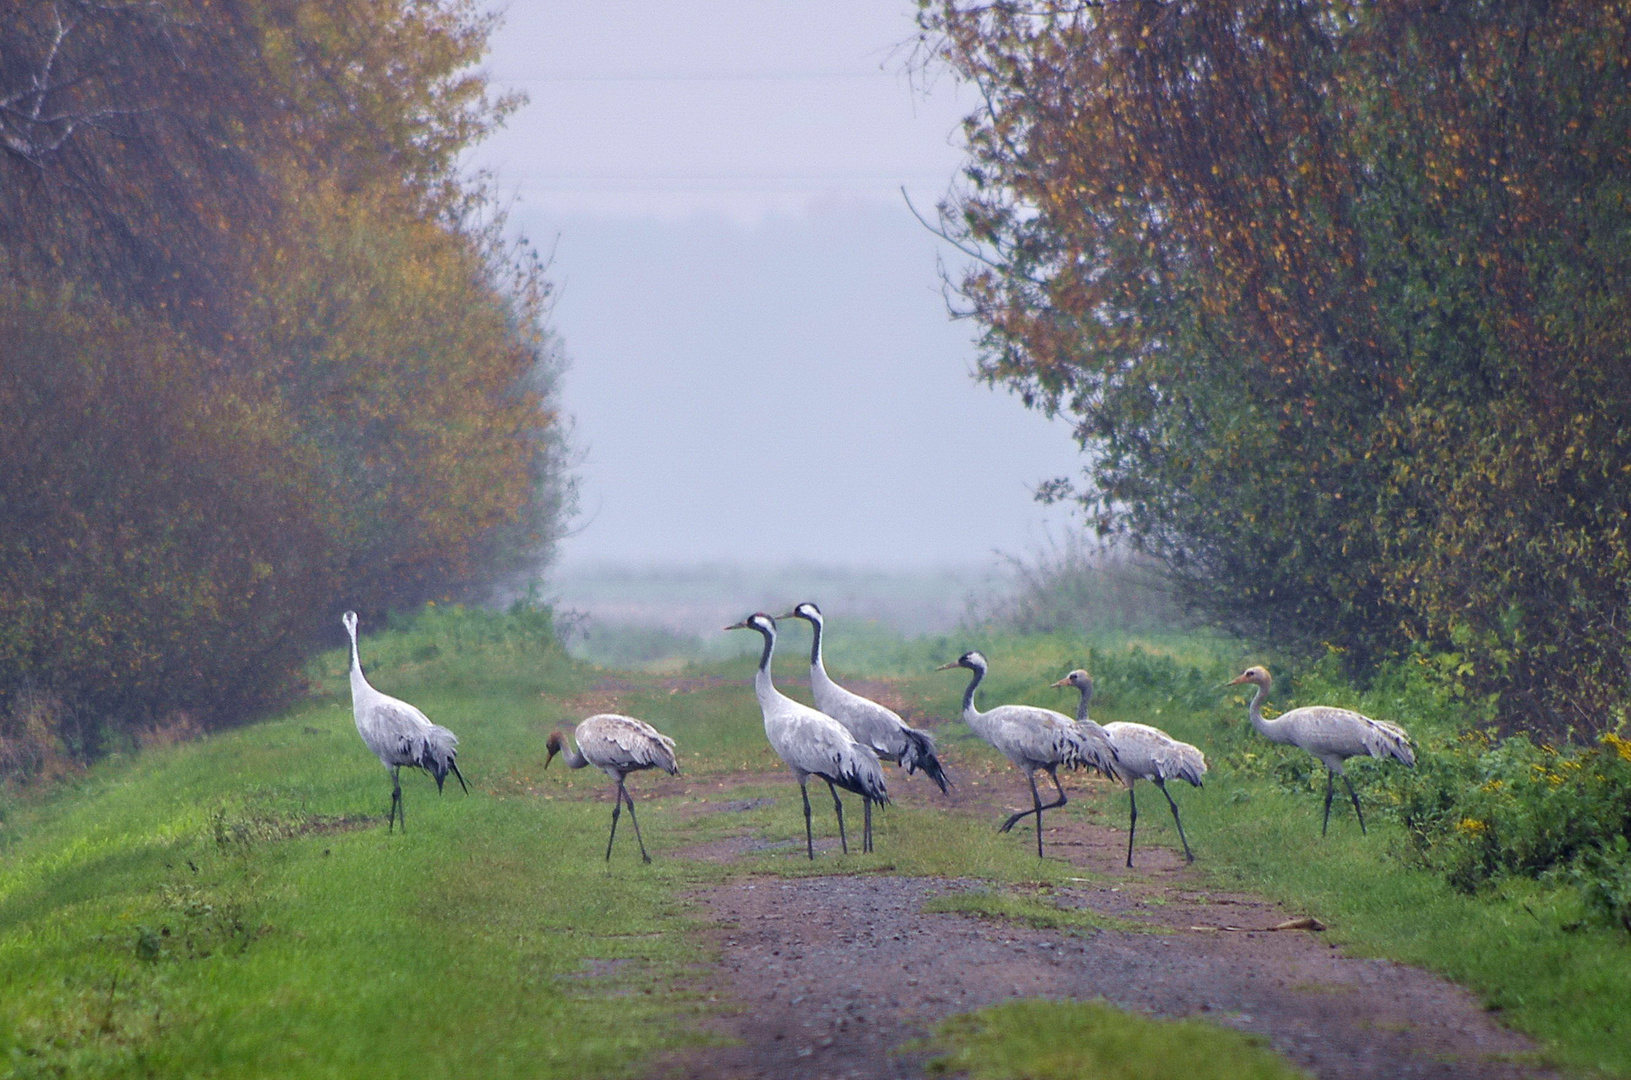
763	367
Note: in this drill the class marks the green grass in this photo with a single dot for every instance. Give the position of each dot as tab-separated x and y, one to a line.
1067	1040
1256	825
212	910
234	907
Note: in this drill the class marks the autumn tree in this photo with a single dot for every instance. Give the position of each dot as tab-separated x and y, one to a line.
264	353
1336	295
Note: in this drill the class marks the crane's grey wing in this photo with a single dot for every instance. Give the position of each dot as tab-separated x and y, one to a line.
867	721
817	743
630	743
1047	737
1153	754
1343	732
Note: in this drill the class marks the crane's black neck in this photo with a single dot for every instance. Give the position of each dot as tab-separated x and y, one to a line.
770	646
815	642
973	684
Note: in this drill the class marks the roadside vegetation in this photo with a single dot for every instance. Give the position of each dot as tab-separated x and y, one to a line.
233	906
265	354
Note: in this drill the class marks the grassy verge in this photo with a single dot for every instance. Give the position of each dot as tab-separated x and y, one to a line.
1064	1040
235	907
1523	947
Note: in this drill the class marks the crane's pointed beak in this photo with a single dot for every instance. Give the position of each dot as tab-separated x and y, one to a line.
1235	681
1062	682
948	667
788	615
743	625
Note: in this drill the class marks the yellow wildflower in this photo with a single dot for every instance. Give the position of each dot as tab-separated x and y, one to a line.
1621	746
1472	826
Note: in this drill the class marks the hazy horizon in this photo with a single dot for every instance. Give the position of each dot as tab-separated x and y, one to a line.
763	367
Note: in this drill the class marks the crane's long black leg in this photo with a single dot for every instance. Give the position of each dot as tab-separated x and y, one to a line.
1132	824
838	808
1330	781
617	808
809	840
1354	795
866	835
634	821
1189	856
396	801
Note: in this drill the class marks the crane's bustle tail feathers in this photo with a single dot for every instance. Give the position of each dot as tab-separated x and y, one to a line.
437	752
919	754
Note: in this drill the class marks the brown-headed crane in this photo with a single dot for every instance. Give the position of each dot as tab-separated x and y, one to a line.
616	745
1333	735
1143	753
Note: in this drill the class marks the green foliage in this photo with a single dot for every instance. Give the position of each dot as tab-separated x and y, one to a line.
1336	297
1063	1040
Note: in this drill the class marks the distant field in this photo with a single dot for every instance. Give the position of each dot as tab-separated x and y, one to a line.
655	616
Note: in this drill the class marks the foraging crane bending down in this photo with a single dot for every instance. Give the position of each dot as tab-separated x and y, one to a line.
616	745
1034	738
1333	735
1143	753
869	722
398	733
814	744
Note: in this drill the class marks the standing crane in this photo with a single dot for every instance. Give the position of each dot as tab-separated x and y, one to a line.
398	733
1033	738
1143	753
869	722
1333	735
616	745
814	744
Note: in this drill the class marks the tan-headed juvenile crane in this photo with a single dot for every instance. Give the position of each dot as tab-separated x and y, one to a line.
1333	735
814	744
616	745
398	733
1033	738
1143	753
869	722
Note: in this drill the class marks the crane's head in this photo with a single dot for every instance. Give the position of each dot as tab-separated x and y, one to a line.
349	620
757	621
972	660
806	611
553	744
1080	679
1257	675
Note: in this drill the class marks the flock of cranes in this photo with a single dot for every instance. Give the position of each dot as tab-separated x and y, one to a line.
845	738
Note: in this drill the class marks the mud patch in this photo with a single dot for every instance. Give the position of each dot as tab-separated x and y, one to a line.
834	974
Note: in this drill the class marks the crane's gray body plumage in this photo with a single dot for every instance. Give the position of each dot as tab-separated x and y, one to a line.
1142	753
1034	738
616	745
398	733
868	722
814	744
1330	734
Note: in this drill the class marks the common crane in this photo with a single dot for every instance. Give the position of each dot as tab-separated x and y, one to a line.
1033	738
616	745
869	722
1143	753
814	744
1333	735
398	733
